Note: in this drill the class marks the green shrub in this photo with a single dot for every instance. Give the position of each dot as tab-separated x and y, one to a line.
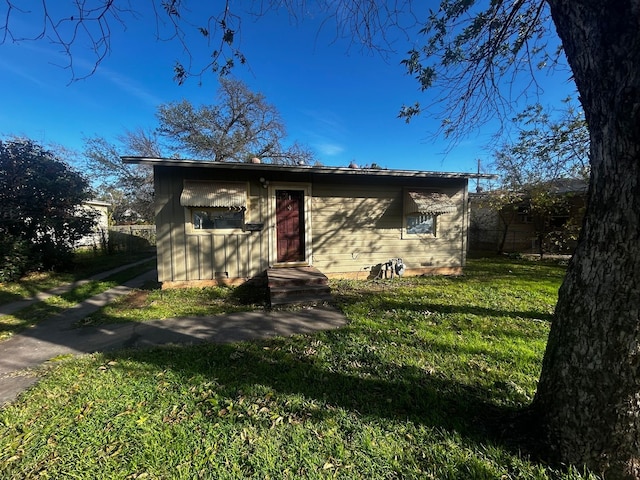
16	258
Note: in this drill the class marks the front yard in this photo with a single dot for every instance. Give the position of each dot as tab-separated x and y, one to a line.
57	304
86	263
428	380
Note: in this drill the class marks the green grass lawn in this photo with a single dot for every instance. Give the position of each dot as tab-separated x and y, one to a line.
428	380
154	304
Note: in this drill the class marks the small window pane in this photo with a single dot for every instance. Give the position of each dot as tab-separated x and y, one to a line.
214	218
420	224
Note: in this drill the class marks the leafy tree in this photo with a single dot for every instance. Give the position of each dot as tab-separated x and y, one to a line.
588	395
241	125
545	168
129	188
41	214
548	148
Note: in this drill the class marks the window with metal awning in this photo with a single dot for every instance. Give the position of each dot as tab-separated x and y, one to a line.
428	203
421	210
215	205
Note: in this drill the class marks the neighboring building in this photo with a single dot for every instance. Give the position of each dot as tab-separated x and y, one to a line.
485	225
228	222
519	228
100	231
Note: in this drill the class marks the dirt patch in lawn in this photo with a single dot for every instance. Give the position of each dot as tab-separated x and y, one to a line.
137	299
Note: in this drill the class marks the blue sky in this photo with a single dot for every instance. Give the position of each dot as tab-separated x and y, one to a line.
339	100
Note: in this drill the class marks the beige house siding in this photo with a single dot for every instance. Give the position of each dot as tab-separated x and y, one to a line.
355	225
359	228
187	256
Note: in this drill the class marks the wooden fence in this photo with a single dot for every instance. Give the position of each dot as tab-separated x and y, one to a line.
132	238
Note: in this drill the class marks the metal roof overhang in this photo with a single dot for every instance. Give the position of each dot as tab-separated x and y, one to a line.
330	171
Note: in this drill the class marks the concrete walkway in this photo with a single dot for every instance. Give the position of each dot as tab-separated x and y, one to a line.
58	336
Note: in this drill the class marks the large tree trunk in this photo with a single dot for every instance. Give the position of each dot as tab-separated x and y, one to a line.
589	392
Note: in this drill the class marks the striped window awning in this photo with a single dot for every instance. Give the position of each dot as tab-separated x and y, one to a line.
213	194
429	203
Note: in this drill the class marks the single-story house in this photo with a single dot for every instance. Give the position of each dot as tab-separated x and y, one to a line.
229	222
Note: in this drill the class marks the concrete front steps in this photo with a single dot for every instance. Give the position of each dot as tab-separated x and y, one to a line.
297	285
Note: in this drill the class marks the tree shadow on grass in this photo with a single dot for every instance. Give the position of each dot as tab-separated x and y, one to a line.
378	389
252	292
9	297
31	314
432	307
341	371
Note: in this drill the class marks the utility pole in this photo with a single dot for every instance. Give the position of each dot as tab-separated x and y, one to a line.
478	187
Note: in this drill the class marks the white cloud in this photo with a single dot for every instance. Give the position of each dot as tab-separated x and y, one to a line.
328	148
17	70
130	86
16	63
325	132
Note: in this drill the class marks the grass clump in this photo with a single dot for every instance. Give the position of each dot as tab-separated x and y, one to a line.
427	380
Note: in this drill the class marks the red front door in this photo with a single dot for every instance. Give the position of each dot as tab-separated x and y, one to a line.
290	225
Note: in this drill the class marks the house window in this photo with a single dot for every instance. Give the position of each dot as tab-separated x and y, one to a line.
217	218
214	205
524	215
421	223
422	208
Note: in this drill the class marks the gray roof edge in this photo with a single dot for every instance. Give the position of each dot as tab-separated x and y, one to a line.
270	167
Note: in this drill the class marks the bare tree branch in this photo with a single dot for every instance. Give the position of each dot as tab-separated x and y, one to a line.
82	24
467	56
76	26
241	125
